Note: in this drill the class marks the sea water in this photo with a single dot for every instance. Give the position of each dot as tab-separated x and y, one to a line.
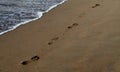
14	13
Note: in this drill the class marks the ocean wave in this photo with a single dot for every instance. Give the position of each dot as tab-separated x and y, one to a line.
15	13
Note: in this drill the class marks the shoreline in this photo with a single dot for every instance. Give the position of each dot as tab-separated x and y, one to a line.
40	14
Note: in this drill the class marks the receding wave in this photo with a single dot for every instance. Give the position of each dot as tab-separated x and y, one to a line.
14	13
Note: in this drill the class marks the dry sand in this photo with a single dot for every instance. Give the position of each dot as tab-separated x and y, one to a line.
77	36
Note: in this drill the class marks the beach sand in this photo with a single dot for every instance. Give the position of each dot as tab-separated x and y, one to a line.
77	36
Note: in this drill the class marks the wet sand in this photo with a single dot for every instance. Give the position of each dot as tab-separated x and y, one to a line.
77	36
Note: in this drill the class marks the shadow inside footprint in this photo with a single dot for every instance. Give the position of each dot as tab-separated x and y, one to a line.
69	27
25	62
35	58
95	5
50	43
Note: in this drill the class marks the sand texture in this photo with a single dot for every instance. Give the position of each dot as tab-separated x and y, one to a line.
77	36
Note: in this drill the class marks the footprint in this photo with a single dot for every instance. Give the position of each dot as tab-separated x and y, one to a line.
35	58
25	62
96	5
56	38
53	40
74	24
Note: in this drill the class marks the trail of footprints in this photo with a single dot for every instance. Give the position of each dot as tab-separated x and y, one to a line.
36	58
33	59
57	38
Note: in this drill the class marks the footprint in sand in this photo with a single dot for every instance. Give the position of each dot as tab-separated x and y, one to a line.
96	5
34	58
53	40
73	25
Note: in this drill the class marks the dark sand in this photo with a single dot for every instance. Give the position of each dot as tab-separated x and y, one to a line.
77	36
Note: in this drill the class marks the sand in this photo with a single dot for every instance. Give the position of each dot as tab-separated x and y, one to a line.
77	36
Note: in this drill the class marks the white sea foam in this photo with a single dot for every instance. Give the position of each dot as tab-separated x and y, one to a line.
40	14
